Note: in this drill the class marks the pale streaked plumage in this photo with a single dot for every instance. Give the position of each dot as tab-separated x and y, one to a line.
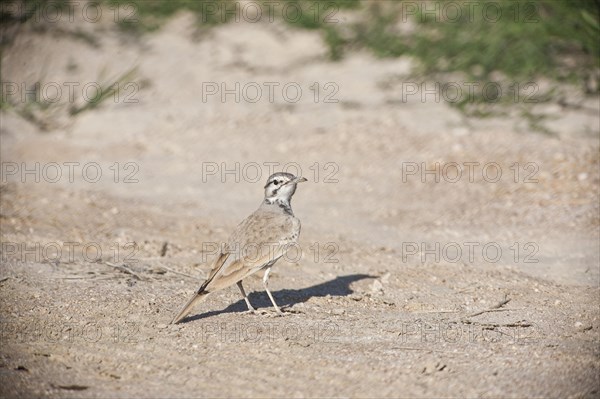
256	244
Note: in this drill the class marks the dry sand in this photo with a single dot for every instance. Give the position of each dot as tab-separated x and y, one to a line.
376	311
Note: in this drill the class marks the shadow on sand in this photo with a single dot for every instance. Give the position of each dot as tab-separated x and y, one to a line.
339	286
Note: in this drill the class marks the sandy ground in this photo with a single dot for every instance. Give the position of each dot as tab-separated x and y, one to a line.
395	267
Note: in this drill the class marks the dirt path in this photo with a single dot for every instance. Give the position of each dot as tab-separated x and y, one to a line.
384	308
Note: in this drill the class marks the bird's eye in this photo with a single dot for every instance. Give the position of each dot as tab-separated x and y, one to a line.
275	182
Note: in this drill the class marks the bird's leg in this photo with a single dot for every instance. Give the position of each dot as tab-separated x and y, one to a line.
241	287
265	284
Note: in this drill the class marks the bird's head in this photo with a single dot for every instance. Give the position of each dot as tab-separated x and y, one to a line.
281	186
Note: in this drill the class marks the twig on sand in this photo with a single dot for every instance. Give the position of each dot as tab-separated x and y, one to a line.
491	309
425	350
124	269
496	308
436	311
490	326
76	277
85	277
176	272
503	310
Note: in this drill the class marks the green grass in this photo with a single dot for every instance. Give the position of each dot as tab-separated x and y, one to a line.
558	39
25	9
530	39
108	90
551	39
41	111
312	14
149	15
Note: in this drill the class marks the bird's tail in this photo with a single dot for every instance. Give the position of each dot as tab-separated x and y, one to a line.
198	296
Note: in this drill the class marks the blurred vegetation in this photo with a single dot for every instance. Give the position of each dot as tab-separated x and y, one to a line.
149	15
43	110
481	41
511	42
13	12
35	106
518	38
557	39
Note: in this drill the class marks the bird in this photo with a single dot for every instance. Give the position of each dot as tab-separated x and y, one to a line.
255	245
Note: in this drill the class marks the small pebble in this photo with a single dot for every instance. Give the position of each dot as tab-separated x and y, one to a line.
583	327
432	367
376	286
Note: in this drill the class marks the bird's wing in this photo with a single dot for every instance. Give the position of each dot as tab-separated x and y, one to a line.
202	292
259	240
217	266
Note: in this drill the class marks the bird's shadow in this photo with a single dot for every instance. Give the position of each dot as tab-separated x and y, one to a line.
339	286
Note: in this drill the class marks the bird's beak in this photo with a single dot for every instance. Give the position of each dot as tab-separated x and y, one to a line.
300	179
